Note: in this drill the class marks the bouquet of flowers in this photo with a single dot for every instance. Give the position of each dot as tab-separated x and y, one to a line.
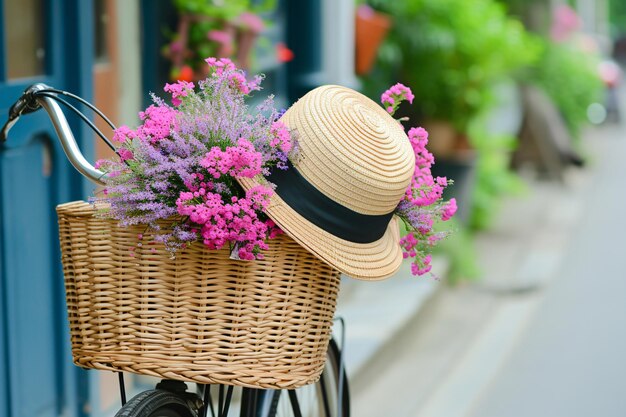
422	205
181	165
177	172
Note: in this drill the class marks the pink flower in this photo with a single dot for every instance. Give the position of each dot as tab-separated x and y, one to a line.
449	210
123	133
218	66
238	81
259	196
365	11
281	137
176	47
237	161
178	90
425	267
159	121
220	222
395	95
423	190
219	36
251	21
125	154
564	23
246	161
273	229
224	67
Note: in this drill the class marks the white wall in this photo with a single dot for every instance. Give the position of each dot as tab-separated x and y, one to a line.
129	47
338	42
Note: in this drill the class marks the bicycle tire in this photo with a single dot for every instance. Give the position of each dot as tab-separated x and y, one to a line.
156	403
310	396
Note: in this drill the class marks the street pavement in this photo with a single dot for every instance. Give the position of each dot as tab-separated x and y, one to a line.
543	333
571	358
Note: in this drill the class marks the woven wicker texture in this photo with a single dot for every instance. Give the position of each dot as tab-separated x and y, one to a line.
356	154
200	317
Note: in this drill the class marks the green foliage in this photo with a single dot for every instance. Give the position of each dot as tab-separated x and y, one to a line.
225	9
570	77
199	43
450	51
617	16
494	179
460	250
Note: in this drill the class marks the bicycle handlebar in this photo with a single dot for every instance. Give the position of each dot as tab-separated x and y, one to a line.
30	102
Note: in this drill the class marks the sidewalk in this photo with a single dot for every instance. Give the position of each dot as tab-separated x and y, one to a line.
374	312
450	341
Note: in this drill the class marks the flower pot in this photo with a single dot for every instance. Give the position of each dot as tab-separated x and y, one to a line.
249	27
443	138
225	39
245	42
371	27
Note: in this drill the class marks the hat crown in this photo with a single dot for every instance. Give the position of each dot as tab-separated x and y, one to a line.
351	149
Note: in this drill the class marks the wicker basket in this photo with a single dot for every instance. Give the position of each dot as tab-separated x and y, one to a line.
201	317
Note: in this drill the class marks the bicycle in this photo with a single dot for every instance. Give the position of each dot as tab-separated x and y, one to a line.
328	397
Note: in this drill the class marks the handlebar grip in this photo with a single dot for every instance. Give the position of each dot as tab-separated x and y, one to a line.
5	129
27	103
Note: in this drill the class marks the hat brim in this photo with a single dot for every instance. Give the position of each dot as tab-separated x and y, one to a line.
364	261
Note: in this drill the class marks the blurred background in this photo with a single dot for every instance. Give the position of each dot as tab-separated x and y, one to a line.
524	314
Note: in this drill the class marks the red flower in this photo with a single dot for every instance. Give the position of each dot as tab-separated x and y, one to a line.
283	54
184	73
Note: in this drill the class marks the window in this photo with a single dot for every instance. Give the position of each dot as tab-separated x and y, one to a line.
24	26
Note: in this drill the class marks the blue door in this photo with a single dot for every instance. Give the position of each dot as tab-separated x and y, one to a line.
50	42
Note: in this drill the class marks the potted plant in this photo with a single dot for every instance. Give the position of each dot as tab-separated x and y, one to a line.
371	27
451	53
226	29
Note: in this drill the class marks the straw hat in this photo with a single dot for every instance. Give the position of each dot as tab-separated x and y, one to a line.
353	167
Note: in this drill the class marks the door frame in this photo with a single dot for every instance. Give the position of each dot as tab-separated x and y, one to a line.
68	65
